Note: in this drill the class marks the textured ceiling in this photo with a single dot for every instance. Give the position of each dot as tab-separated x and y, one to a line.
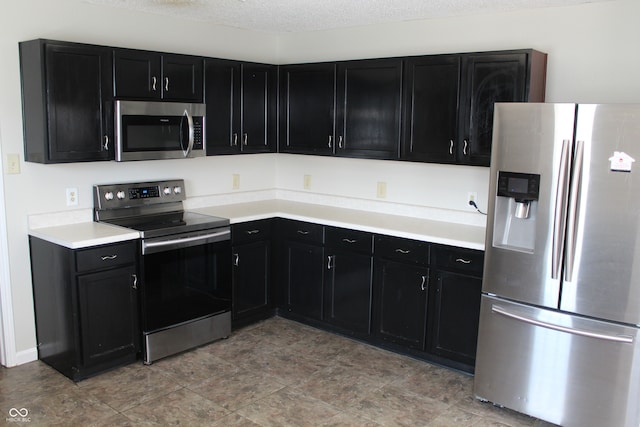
279	16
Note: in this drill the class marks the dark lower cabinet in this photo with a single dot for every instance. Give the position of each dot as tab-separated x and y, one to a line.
348	280
302	268
86	306
251	249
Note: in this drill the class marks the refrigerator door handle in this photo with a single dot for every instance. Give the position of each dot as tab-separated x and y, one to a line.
616	338
576	181
559	216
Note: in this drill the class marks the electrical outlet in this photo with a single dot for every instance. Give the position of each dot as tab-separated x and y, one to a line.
472	196
72	196
382	190
13	163
235	181
307	182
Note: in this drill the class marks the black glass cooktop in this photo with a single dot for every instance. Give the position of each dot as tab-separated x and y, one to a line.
164	224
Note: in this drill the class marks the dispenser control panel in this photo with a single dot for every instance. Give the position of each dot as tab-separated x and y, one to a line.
520	186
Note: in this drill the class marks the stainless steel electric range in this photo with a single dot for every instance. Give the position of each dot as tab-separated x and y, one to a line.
184	276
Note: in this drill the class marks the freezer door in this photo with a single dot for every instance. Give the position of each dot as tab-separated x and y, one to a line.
523	257
564	369
602	270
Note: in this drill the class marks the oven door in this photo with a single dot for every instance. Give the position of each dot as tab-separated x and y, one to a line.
184	278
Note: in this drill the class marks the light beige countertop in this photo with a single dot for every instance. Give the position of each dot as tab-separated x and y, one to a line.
461	235
87	233
84	234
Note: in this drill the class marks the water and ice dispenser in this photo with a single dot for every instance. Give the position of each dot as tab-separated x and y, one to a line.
515	210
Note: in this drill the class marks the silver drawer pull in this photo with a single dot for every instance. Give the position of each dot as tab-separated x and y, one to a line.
349	240
253	232
108	257
303	232
403	251
464	261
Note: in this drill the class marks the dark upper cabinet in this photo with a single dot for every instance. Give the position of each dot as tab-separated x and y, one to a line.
431	108
241	101
66	102
448	114
143	75
251	248
369	96
307	102
348	280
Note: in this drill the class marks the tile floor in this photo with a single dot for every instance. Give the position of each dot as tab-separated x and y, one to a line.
274	373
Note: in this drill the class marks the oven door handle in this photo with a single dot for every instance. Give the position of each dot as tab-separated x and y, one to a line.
153	246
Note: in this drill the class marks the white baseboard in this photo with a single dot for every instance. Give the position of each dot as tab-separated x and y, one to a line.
22	357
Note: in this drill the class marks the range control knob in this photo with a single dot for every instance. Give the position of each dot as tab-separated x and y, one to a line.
177	189
121	195
108	195
166	190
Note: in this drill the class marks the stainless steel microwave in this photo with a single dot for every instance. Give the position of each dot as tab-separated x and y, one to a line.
159	130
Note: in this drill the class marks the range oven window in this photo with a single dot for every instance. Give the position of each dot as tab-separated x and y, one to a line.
182	285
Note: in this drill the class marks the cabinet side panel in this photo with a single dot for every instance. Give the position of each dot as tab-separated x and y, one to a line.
537	77
33	107
51	272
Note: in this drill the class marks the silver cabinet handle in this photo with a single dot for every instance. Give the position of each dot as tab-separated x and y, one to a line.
236	259
329	261
465	147
617	338
463	261
234	140
245	139
135	281
250	232
424	282
106	143
350	241
153	83
108	257
330	140
340	145
303	232
403	251
451	147
166	84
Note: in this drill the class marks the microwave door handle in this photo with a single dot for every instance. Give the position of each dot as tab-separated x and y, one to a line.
187	151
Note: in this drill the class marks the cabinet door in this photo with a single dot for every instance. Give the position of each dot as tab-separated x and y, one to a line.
308	108
455	311
108	309
138	74
431	108
258	112
303	275
181	78
369	105
251	279
348	290
488	79
222	97
401	295
78	105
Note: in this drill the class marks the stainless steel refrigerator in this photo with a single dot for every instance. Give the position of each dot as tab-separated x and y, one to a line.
559	335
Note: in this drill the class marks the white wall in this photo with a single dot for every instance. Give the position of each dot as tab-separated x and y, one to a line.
592	58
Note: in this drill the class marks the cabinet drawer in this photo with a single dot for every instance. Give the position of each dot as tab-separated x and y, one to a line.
302	231
251	231
468	261
351	240
106	256
406	250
